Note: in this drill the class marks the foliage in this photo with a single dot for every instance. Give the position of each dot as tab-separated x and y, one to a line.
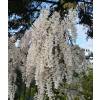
87	85
29	11
60	94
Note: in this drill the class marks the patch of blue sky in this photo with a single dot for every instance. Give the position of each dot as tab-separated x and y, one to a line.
45	5
14	31
81	38
14	17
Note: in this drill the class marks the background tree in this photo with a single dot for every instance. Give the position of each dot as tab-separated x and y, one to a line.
22	13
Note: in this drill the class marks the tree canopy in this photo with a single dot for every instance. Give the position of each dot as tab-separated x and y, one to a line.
22	13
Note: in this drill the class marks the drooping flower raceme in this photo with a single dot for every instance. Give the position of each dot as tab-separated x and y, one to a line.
50	58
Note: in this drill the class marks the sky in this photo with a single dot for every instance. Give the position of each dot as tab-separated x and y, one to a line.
81	38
